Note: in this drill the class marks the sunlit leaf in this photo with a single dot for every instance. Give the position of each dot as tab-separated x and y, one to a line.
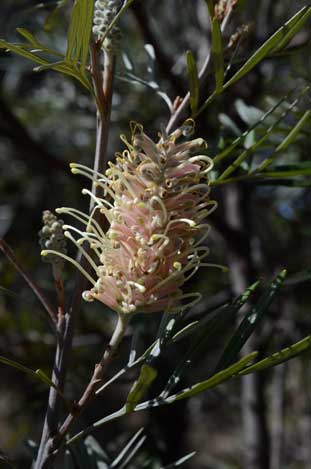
139	388
38	374
279	357
79	33
215	380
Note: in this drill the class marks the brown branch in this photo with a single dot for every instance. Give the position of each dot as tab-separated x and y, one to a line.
181	109
103	89
51	313
94	384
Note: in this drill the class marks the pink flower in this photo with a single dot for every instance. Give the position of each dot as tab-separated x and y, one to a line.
156	199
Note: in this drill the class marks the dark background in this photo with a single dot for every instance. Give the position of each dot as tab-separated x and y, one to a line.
47	121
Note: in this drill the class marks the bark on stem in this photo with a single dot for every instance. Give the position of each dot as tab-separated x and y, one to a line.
103	89
95	382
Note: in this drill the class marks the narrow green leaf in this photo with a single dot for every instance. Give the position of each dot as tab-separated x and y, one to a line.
88	454
217	54
294	132
180	461
146	377
215	380
237	162
250	322
29	36
292	31
86	30
207	329
18	366
279	357
60	66
72	31
242	157
53	17
38	374
44	378
291	136
22	52
287	29
127	447
228	150
79	33
210	6
193	81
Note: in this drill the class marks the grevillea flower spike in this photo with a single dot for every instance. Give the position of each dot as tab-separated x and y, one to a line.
155	198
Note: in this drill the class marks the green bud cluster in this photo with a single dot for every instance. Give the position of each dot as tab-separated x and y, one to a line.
51	237
105	11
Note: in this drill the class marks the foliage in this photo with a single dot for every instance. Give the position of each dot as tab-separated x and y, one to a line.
265	153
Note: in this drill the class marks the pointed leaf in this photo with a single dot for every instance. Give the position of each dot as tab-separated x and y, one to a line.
139	388
221	317
214	380
269	131
217	54
127	448
193	81
29	36
180	461
295	131
293	30
228	150
280	357
22	52
38	374
287	30
249	323
53	17
210	6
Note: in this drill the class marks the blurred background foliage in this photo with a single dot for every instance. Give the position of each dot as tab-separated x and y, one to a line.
47	121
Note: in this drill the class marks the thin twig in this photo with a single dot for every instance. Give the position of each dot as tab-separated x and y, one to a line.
180	111
95	382
52	314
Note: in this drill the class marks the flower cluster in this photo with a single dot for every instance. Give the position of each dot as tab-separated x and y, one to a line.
104	13
156	196
51	237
